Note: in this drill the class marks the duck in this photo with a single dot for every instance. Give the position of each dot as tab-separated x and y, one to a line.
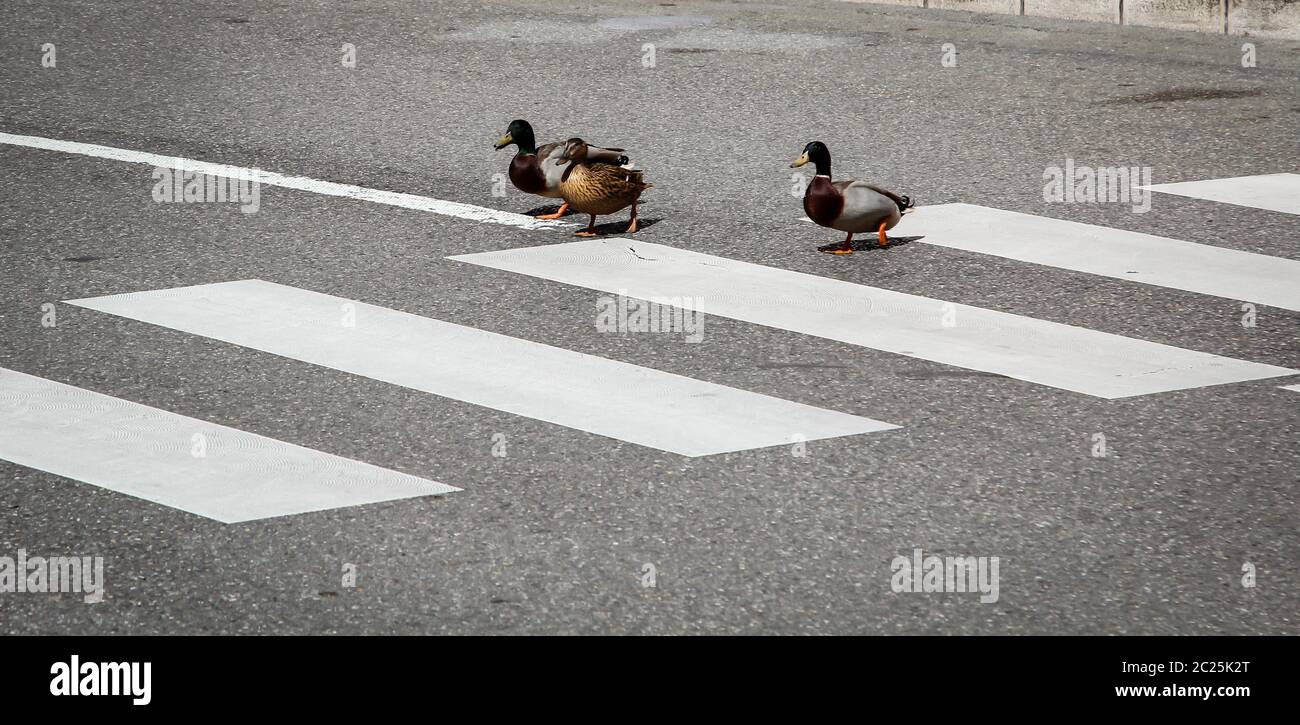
848	205
593	186
537	170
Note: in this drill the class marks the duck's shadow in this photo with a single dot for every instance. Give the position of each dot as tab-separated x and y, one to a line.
548	209
871	244
617	227
620	228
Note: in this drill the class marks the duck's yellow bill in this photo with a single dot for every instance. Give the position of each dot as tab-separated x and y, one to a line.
504	141
803	159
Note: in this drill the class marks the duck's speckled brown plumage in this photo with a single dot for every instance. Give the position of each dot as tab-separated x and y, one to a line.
592	187
597	188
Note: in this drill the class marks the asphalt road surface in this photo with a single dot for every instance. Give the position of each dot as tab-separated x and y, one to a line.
1161	513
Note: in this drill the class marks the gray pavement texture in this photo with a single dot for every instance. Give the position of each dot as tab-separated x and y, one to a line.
553	537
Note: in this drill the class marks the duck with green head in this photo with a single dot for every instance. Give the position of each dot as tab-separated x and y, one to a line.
537	170
848	205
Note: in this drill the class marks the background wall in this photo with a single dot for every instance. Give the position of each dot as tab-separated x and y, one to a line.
1266	18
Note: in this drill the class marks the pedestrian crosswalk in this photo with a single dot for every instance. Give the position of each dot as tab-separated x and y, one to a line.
193	465
1116	253
1038	351
594	394
233	476
1275	192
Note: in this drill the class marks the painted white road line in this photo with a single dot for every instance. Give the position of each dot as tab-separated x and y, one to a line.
1275	192
1295	388
594	394
1116	253
188	464
300	183
1048	353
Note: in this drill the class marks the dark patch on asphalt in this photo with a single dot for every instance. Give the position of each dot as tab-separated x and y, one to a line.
951	374
1183	94
778	365
654	22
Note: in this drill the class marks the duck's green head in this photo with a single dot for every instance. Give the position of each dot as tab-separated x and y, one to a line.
520	134
817	153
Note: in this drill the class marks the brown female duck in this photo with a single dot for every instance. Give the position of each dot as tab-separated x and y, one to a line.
592	186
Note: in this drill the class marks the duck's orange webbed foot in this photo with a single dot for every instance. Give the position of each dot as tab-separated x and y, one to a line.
563	208
590	231
844	247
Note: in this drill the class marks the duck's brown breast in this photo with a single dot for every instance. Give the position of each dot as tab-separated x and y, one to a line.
822	202
526	174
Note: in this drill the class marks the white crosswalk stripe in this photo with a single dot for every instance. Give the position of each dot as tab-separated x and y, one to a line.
594	394
1274	192
185	463
299	183
1295	388
1130	256
1048	353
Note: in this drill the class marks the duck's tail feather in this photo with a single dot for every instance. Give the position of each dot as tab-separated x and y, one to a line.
905	203
602	155
634	178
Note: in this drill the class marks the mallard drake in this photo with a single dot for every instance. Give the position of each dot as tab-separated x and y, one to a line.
849	205
592	186
537	170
